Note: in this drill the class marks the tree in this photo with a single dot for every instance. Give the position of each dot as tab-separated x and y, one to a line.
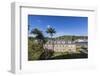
73	38
51	31
39	36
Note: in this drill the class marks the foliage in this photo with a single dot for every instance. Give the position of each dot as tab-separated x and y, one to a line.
39	35
37	52
46	54
51	31
34	50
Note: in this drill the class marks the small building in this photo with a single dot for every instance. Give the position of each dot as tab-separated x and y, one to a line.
81	43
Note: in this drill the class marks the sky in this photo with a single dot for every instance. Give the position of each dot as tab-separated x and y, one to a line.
64	25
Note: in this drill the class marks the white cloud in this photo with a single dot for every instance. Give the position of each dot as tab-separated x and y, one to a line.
48	26
31	35
59	34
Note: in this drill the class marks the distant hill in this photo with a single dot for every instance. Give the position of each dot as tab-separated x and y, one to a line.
70	37
65	37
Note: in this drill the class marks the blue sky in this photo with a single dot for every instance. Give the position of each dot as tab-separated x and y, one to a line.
64	25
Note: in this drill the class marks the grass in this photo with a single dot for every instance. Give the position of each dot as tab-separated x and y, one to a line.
70	56
57	55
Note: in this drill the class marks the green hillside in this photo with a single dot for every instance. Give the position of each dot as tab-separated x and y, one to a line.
69	37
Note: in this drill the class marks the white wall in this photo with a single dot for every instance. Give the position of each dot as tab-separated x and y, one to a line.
5	28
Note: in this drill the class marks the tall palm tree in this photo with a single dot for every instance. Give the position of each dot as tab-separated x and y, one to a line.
51	31
73	38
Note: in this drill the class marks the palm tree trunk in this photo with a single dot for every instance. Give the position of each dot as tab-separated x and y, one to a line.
52	43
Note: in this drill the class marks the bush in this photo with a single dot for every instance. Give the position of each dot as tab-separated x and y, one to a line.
47	54
34	50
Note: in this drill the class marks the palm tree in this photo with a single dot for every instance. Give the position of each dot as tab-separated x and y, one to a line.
39	36
73	38
51	31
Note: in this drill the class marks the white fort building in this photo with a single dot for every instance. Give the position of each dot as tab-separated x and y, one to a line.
64	45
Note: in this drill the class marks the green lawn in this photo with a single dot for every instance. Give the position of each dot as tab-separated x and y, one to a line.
70	56
57	55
